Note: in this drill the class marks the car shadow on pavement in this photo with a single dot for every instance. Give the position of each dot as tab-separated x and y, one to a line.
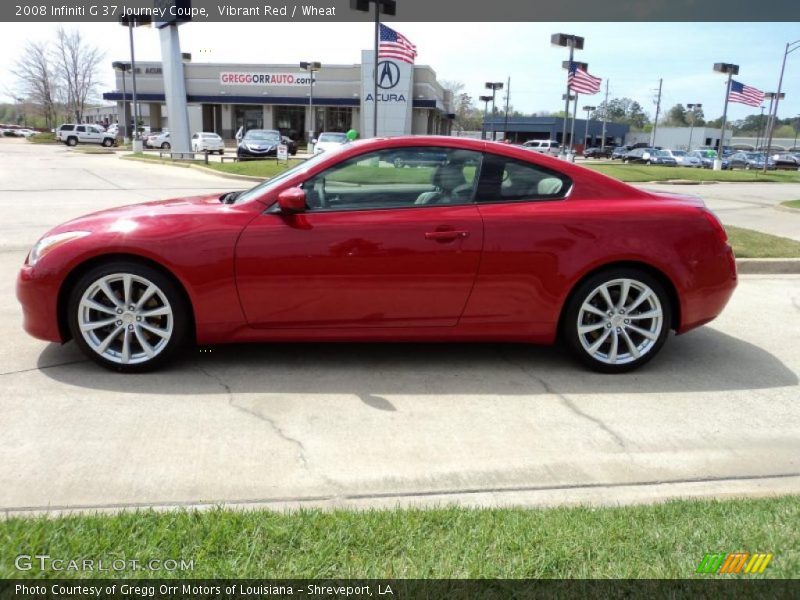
704	360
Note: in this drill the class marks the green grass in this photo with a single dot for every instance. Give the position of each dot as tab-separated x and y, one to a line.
642	173
42	138
253	168
747	243
652	541
791	203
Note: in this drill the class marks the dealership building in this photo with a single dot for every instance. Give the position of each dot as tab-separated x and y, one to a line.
224	97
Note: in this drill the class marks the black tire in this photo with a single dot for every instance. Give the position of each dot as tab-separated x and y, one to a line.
180	316
586	291
165	146
107	143
72	141
221	152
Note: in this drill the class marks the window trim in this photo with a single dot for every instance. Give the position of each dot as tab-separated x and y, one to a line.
557	198
472	201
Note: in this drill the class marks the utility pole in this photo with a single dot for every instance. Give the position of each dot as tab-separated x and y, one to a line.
605	115
658	111
508	98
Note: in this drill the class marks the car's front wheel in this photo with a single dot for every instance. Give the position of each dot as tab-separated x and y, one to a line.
165	146
107	142
617	320
127	316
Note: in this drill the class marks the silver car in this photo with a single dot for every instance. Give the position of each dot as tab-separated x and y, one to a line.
684	159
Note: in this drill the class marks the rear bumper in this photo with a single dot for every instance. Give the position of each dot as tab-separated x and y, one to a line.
717	279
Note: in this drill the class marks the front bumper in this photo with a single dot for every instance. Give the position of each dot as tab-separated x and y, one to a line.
37	292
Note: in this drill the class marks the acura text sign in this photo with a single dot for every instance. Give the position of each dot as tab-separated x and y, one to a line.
237	78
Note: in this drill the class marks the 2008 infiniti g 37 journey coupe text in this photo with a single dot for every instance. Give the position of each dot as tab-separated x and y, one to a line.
408	238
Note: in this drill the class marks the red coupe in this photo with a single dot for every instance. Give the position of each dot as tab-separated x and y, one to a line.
466	240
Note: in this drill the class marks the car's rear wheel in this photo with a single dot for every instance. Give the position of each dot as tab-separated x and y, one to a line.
72	141
617	320
127	316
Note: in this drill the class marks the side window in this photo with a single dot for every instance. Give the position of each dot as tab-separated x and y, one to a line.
80	128
507	179
396	178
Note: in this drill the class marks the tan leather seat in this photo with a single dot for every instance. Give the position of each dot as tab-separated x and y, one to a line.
450	185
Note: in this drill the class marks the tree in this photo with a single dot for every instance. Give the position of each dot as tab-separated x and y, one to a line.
623	110
677	116
37	80
77	65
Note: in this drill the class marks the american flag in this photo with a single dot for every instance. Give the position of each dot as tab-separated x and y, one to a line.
745	94
580	81
395	45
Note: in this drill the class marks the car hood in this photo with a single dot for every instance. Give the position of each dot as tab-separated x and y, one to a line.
268	143
166	215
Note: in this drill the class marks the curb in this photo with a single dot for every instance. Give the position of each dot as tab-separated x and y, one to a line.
787	208
768	266
197	167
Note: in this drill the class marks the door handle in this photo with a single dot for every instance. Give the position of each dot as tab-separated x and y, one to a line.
446	236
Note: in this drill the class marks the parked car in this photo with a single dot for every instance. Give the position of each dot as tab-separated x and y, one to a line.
683	159
259	143
707	158
648	156
598	152
208	141
663	158
543	146
291	145
786	160
328	141
620	152
412	158
749	160
72	134
158	140
26	133
337	249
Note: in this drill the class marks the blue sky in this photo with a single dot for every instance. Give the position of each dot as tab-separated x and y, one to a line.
633	56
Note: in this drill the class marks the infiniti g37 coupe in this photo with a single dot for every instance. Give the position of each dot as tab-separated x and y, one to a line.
485	241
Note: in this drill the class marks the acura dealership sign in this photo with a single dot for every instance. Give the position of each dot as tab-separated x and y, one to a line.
395	95
262	79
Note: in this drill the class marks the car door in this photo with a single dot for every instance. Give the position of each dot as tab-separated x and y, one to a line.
378	246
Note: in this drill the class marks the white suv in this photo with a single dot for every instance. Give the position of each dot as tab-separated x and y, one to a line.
72	134
544	146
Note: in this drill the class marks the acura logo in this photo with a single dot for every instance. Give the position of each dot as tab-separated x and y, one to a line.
388	75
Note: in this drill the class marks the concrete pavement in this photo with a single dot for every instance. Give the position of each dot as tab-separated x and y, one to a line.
377	425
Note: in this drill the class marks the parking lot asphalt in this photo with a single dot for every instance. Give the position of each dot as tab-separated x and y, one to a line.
285	425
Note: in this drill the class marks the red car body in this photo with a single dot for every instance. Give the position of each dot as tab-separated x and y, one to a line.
492	271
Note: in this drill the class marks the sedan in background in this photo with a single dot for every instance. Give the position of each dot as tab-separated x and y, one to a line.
707	158
205	141
649	156
786	160
620	152
158	140
683	159
598	152
495	244
749	160
259	143
291	145
663	158
329	141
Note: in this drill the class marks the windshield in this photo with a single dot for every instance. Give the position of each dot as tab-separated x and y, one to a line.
678	153
269	184
662	153
754	156
262	135
333	137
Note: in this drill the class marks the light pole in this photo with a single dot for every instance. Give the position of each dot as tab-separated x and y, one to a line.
494	86
771	96
123	67
21	102
693	108
584	67
573	42
796	123
760	125
130	23
730	70
569	98
588	110
311	67
790	47
485	100
387	7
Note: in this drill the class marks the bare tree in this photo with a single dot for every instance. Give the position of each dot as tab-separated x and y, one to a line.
77	64
37	80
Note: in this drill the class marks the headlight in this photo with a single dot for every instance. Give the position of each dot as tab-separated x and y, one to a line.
46	244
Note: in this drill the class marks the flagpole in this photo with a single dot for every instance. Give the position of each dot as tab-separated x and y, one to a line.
718	162
572	127
571	43
375	82
605	114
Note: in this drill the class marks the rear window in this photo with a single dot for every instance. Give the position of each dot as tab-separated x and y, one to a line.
505	179
67	127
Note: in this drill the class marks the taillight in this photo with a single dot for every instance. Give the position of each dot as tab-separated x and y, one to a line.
715	224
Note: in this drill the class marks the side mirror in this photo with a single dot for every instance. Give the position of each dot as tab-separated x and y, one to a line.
292	200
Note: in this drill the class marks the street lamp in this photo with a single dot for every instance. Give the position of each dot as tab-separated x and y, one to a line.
760	125
730	70
771	96
494	86
569	98
790	47
123	67
573	42
588	110
311	67
693	108
485	100
387	7
130	22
